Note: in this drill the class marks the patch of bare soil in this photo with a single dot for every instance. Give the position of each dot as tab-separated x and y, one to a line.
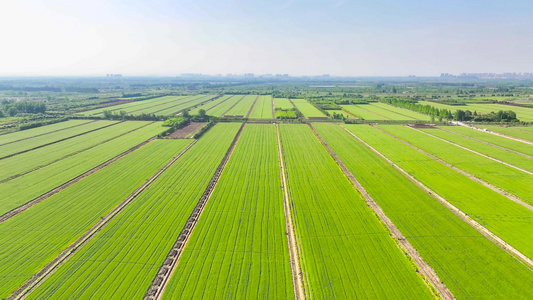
186	131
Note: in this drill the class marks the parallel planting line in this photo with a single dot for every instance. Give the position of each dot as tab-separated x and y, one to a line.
297	273
457	145
484	231
498	134
375	113
32	283
219	103
34	136
71	154
252	108
57	141
426	270
58	189
234	104
487	143
208	100
156	289
392	111
486	184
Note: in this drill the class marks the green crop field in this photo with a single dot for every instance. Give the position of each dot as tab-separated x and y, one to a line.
221	110
39	141
210	104
243	107
386	113
361	112
509	220
282	103
307	109
504	177
521	132
43	130
25	188
400	113
262	108
491	151
492	139
28	161
522	113
50	226
345	251
239	248
460	255
123	258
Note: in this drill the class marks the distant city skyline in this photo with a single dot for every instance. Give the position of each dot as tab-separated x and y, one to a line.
342	38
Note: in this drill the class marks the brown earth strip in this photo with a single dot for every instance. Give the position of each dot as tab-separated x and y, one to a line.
484	231
252	108
498	134
293	244
186	131
349	114
46	133
68	155
486	184
426	271
293	105
32	283
156	289
486	143
57	141
489	157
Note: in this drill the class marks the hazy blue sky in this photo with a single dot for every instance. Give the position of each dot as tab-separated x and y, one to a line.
360	38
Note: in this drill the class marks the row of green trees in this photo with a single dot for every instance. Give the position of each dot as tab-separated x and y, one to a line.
11	108
434	112
500	116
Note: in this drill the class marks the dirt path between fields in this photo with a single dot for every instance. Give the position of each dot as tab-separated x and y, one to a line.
426	271
69	155
156	289
487	143
392	111
486	184
484	231
235	104
375	113
296	271
498	134
273	107
252	108
219	103
457	145
57	141
34	136
39	277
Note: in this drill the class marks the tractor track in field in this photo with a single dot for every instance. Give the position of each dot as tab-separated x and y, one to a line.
58	189
200	104
219	103
40	276
252	108
374	113
498	134
478	153
34	136
487	143
392	111
57	141
235	104
69	155
167	268
463	216
425	269
293	244
273	107
486	184
293	105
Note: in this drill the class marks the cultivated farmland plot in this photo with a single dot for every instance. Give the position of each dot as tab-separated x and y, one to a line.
262	108
43	130
521	132
307	109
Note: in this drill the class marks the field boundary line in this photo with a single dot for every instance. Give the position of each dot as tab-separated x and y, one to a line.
497	134
195	98
40	276
70	154
167	268
252	108
349	114
487	143
60	140
375	113
478	180
292	243
481	229
473	151
162	104
57	130
235	104
206	101
426	270
273	107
